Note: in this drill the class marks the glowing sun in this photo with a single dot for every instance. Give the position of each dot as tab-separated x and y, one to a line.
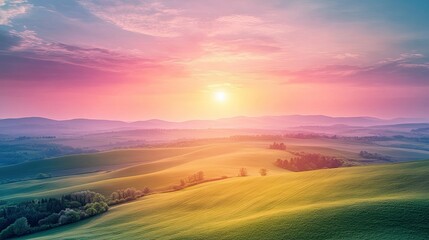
220	96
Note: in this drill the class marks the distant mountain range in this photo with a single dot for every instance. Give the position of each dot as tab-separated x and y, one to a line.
44	126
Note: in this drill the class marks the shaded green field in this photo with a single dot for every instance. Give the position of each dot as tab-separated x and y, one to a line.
79	163
368	202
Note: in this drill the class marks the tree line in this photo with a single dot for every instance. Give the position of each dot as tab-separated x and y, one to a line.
277	146
377	156
37	215
42	214
308	161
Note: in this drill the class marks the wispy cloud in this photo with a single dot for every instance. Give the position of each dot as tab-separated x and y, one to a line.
31	46
10	9
408	69
146	17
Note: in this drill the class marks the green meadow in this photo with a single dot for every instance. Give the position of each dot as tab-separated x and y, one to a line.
376	201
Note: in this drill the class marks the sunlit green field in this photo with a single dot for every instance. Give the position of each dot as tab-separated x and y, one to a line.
161	168
379	201
369	202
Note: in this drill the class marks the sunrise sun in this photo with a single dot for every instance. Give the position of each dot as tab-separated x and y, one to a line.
220	96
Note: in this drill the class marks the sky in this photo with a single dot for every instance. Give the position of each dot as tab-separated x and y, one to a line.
207	59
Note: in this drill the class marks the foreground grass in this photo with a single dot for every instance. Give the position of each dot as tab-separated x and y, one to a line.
371	202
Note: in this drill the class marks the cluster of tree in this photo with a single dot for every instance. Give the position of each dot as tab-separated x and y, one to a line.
34	137
37	215
127	194
192	179
277	146
368	155
308	161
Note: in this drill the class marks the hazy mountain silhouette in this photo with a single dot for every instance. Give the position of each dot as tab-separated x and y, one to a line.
45	126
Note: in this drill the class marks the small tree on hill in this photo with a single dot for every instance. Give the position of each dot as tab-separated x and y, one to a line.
263	171
182	182
146	190
242	172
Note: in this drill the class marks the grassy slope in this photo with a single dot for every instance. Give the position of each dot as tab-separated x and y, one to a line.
215	160
370	202
156	168
89	162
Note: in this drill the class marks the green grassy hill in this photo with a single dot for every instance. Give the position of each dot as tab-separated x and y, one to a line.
156	168
368	202
215	160
80	163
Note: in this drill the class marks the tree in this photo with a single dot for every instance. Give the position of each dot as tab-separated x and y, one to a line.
242	172
69	216
98	207
63	220
146	190
114	196
18	228
91	211
7	232
200	176
263	171
51	219
21	226
3	223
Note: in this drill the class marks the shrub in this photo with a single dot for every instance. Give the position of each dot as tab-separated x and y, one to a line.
263	171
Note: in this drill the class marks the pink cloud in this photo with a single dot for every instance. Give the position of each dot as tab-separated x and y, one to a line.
10	9
150	18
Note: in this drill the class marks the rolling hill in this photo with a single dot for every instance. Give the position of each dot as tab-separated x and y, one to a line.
83	163
367	202
161	168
